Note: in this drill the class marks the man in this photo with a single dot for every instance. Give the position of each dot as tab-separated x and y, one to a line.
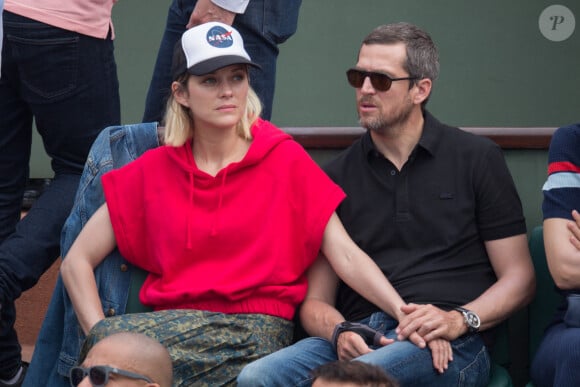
125	359
438	211
263	24
58	72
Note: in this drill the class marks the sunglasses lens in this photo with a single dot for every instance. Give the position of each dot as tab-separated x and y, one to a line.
76	376
380	82
355	78
98	376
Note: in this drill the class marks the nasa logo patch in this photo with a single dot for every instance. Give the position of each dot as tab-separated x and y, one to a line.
219	37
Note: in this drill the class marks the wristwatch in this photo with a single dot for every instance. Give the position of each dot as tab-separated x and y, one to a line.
471	319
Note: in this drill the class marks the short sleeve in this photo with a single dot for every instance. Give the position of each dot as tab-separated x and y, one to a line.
562	187
499	209
315	195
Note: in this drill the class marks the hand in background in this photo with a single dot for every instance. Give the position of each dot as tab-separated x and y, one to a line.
574	228
206	11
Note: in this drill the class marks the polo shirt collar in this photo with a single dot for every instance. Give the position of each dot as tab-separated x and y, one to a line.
431	135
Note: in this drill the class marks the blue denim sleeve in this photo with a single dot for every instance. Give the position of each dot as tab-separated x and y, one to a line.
60	338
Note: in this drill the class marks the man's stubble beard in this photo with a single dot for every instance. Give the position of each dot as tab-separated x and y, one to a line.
384	125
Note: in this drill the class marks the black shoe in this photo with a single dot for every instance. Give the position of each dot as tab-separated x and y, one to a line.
17	383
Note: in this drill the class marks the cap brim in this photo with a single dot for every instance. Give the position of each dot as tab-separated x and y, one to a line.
213	64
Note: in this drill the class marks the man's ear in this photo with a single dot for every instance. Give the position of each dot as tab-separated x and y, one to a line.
422	90
179	92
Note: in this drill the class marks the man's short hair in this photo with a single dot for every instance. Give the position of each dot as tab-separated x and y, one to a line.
357	372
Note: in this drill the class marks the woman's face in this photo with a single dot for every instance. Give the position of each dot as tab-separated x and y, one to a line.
217	99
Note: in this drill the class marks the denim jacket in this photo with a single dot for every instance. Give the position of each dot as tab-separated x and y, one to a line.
58	345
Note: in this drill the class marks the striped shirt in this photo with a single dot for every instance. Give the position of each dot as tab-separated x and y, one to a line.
562	188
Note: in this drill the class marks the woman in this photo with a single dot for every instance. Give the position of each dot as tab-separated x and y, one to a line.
226	218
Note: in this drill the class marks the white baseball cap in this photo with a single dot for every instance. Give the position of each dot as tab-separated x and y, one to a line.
209	47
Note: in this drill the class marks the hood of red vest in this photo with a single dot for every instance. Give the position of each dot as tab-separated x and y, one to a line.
265	138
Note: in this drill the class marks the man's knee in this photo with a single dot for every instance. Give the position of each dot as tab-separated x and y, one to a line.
290	366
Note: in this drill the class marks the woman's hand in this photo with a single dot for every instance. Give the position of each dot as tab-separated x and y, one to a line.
442	354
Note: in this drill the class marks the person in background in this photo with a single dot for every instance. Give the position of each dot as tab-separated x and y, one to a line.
125	359
1	34
351	374
264	25
225	217
437	210
557	358
58	71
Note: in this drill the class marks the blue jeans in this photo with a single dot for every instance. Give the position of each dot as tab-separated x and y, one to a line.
67	83
264	25
407	363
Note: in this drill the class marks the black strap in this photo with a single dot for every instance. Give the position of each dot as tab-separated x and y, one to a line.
371	336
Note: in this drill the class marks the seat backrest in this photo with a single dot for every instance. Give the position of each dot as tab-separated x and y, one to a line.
547	299
500	353
134	305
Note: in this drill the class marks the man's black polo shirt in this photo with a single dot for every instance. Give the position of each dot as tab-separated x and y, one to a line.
425	225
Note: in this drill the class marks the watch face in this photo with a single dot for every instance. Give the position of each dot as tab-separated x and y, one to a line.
472	320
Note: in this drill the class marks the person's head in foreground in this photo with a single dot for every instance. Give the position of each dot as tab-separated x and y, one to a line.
125	359
210	86
351	374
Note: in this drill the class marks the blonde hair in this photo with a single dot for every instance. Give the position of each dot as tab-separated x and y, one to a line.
179	121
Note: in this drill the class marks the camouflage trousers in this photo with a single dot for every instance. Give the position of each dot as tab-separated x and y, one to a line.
207	348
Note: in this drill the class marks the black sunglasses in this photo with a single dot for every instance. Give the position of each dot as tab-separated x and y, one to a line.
99	375
380	81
